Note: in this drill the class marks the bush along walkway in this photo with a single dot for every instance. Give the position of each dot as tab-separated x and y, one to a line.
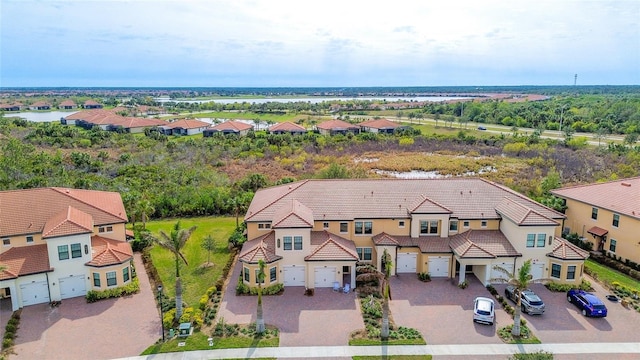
526	335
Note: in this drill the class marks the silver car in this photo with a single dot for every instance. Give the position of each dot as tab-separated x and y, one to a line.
530	302
483	310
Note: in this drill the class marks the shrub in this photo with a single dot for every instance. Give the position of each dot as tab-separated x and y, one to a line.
423	276
204	299
492	290
169	318
540	355
131	288
7	343
11	328
463	285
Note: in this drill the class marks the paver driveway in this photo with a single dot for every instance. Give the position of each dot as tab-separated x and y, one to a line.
106	329
327	318
441	311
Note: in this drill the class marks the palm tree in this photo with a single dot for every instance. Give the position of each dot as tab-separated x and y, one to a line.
386	262
259	316
174	242
146	209
520	281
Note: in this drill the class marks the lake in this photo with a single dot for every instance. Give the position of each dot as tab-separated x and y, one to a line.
316	100
41	116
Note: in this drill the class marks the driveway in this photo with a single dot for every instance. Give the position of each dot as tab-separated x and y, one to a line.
324	319
442	312
107	329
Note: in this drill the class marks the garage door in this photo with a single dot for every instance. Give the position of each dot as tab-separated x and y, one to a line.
324	276
34	293
72	286
496	274
537	271
407	262
293	275
438	266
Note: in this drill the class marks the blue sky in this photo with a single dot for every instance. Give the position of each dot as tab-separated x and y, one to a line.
303	43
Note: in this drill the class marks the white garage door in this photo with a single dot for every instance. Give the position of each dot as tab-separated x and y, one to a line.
497	274
293	275
537	271
72	286
324	276
407	262
438	266
34	293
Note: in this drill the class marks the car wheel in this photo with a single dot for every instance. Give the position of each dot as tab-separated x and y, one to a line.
584	312
523	308
569	298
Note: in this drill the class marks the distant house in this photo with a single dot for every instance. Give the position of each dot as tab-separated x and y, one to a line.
184	127
67	105
287	128
229	127
333	127
108	120
382	126
8	107
40	105
91	104
134	125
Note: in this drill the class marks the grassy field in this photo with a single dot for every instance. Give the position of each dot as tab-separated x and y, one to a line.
251	116
609	275
199	341
196	279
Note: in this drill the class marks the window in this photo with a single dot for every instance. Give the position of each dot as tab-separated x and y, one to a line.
571	272
531	240
105	229
246	274
297	243
364	228
541	239
258	277
63	252
453	225
76	250
616	220
612	245
364	254
594	213
287	242
125	274
273	274
6	242
96	279
344	227
111	278
465	224
428	227
325	225
29	239
555	270
264	226
483	223
401	223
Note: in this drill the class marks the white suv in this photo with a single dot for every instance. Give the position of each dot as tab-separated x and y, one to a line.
483	310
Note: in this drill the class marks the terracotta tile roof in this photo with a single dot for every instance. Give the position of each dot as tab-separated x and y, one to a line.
91	102
433	244
135	122
293	215
260	248
236	126
28	216
379	124
563	249
425	205
334	248
40	103
68	222
24	260
482	244
598	231
522	215
621	196
340	199
68	103
186	124
384	239
107	252
287	127
336	124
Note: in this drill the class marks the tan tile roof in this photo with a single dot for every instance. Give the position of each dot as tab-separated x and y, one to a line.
260	248
91	102
384	239
68	103
29	214
482	244
563	249
107	252
68	222
334	248
187	124
232	125
433	244
621	196
349	199
287	127
24	260
425	205
135	122
292	215
522	214
40	103
597	231
379	124
336	124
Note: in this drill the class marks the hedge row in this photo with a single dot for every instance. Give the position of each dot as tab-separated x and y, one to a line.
131	288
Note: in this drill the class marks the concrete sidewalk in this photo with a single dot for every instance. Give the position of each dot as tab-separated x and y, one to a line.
436	350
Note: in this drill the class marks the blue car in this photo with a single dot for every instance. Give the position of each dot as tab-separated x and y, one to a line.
587	302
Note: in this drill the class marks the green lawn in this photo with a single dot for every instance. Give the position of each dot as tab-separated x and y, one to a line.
199	341
373	342
395	357
195	279
609	275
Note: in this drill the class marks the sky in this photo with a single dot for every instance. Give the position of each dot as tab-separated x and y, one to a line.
311	43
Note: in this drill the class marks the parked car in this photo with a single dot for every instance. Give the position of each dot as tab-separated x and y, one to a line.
483	310
530	302
482	128
587	302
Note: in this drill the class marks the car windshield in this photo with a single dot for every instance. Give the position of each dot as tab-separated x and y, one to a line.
599	307
536	302
484	308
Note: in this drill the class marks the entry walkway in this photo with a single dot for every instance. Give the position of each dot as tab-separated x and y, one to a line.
437	350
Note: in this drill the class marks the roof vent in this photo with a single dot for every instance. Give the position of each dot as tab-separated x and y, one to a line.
626	184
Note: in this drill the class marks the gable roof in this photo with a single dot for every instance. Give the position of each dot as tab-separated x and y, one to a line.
563	249
260	248
27	216
293	215
620	196
236	126
334	248
107	252
187	124
379	124
68	103
522	215
336	124
425	205
24	260
287	127
482	244
68	222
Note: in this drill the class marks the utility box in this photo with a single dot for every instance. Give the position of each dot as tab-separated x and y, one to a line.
184	330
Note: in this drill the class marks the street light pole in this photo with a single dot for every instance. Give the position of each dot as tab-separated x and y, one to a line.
161	314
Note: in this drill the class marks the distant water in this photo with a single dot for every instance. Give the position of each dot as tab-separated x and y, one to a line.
316	100
41	116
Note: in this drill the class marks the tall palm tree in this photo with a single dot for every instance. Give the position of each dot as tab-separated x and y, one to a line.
387	264
146	209
521	281
174	242
259	316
